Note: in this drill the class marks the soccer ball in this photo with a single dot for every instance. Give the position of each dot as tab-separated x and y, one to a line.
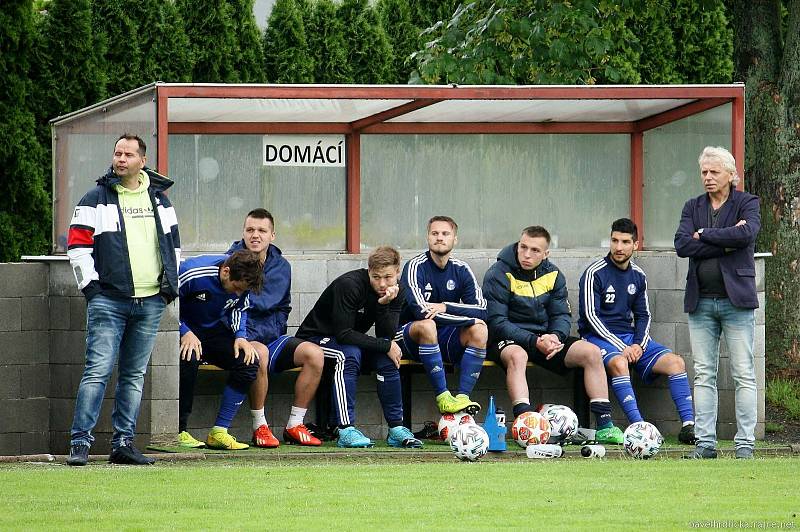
450	422
530	428
563	421
642	440
469	442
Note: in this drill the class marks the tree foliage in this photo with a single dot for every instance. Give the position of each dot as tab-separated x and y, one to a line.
68	62
211	40
287	58
404	37
249	52
369	51
767	58
162	38
325	33
120	37
24	203
532	42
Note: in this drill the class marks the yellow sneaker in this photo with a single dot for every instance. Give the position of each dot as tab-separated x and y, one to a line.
219	438
185	439
450	405
472	407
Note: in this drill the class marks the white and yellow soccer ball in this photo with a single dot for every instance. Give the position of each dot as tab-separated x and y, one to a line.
448	423
530	428
642	440
563	421
469	442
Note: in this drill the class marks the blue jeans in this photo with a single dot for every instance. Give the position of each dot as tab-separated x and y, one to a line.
711	318
124	327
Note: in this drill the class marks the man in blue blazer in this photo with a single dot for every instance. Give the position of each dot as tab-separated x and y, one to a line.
717	232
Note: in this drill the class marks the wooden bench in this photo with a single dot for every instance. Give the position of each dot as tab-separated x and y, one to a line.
407	368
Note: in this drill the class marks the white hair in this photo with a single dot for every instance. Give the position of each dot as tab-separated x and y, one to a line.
724	157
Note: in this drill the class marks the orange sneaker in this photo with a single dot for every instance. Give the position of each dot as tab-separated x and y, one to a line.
262	437
300	435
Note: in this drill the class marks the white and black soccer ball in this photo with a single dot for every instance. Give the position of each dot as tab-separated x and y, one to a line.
469	442
642	440
563	421
448	423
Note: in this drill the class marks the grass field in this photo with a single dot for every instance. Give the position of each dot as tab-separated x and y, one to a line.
366	493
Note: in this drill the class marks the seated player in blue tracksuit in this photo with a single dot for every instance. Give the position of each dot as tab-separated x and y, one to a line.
443	317
615	316
267	316
339	321
213	327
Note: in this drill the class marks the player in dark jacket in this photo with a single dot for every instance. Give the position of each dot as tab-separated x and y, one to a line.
529	319
267	318
615	316
339	321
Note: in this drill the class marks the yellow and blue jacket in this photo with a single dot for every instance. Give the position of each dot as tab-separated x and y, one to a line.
523	304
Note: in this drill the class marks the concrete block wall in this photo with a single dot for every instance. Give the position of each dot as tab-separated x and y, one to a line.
42	347
24	359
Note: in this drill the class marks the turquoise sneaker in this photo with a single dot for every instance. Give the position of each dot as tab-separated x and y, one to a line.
610	435
352	437
402	437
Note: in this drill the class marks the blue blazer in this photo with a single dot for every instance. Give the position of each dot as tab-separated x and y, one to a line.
733	245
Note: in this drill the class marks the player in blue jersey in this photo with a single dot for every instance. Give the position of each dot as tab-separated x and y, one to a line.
443	317
267	318
529	320
615	316
213	327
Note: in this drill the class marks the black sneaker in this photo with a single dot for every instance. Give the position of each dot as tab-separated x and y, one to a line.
428	432
78	455
702	453
321	433
129	455
686	435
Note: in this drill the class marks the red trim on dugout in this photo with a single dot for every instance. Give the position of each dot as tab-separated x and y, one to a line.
679	113
637	183
512	128
394	112
737	138
550	92
162	130
257	128
353	197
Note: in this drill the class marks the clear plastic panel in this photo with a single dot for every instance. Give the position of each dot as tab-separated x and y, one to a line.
493	186
671	172
220	178
84	146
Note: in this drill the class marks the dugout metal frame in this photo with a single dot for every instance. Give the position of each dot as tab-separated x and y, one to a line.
650	107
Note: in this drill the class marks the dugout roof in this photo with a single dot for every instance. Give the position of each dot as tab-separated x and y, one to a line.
355	110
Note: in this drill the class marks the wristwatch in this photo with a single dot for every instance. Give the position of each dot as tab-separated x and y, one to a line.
700	231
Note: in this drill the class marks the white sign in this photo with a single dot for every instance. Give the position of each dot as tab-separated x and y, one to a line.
303	150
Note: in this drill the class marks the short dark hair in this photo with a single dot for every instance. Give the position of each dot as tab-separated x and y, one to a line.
534	231
447	219
142	146
246	265
261	214
625	225
383	256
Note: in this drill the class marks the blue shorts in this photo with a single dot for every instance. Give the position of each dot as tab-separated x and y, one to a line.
448	337
281	353
643	366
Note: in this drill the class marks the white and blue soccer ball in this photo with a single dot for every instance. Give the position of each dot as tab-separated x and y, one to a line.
642	440
469	442
563	421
